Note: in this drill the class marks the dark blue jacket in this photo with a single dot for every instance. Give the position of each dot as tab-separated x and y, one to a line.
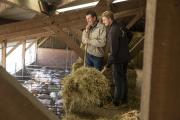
119	51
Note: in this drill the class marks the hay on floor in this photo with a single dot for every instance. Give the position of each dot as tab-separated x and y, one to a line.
102	119
131	115
84	87
71	117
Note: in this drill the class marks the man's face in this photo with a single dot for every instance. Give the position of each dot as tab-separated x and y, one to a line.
90	20
106	21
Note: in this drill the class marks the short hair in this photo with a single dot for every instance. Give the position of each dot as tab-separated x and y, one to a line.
108	14
92	13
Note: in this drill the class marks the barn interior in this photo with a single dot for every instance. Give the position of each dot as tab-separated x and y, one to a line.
40	43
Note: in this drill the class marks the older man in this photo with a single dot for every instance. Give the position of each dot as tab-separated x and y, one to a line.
94	37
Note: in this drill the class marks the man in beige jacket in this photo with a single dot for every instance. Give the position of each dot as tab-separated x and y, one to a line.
94	36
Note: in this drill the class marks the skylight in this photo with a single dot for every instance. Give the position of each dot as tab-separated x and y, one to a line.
84	6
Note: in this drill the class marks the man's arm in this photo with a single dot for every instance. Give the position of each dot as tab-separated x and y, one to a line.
85	37
114	37
100	41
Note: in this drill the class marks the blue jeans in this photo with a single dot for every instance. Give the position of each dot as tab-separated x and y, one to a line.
93	61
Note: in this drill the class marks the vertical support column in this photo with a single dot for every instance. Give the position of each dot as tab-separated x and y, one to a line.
1	52
161	91
36	50
4	46
23	55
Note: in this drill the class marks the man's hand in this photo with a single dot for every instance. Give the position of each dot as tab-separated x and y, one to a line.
104	69
86	42
88	26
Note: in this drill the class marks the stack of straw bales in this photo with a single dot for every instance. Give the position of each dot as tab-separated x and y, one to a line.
84	87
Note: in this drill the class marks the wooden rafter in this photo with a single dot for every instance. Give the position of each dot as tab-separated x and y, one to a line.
65	2
127	13
23	26
23	105
1	40
4	48
135	19
31	44
20	42
74	33
103	5
27	35
138	43
31	5
69	3
62	36
44	40
128	5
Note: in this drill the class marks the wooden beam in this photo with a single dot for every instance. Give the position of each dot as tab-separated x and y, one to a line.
135	19
62	36
103	5
109	4
31	5
121	14
127	13
4	48
69	3
81	23
27	34
22	33
23	55
100	7
136	48
1	41
74	33
128	5
18	103
44	40
23	25
31	44
4	6
20	42
136	44
161	68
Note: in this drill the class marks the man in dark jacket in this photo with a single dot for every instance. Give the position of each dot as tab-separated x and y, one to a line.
119	56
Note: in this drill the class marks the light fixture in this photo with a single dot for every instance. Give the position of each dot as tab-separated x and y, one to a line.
84	6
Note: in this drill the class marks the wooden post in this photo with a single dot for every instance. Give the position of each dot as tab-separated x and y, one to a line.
31	44
13	48
135	19
160	90
43	41
19	104
36	51
62	36
4	46
23	54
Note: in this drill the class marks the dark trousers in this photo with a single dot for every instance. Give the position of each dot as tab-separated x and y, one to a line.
120	81
93	61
